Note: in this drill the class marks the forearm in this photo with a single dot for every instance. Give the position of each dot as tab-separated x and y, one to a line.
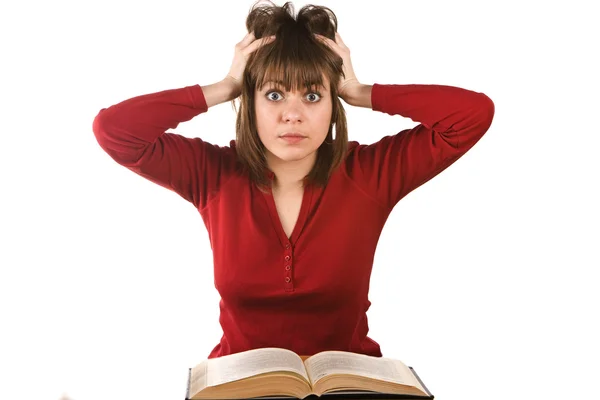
359	96
126	129
457	113
220	92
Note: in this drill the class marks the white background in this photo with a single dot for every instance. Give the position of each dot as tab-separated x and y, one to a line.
485	278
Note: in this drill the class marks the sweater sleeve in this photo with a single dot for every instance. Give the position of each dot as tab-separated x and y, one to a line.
451	120
133	133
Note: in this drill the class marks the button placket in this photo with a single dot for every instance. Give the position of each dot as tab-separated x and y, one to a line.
287	266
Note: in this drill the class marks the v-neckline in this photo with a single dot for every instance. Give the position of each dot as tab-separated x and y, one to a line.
300	222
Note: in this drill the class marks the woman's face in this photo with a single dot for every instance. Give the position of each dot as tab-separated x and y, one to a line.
307	113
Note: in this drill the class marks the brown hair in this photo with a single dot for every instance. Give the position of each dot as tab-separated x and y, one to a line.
297	59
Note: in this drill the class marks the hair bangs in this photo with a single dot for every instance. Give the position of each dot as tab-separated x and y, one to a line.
293	70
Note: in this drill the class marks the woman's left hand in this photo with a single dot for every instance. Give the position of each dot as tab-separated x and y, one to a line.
349	83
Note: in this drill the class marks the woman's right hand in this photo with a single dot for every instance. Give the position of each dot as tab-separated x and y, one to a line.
242	51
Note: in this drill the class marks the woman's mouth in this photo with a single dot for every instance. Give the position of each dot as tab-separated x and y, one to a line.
292	139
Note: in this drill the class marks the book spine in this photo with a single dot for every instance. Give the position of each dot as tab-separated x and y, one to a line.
187	390
420	381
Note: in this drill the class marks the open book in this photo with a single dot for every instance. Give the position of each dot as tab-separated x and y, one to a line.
272	373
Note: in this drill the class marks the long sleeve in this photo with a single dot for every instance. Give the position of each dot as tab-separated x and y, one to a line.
133	133
451	120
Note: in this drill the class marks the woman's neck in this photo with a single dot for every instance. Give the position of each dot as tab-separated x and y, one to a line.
290	174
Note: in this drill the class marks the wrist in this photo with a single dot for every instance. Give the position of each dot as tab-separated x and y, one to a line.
232	86
358	95
220	92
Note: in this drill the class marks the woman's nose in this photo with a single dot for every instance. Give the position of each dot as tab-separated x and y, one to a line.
292	109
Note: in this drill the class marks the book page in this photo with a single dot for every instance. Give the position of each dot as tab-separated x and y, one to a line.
252	362
340	362
197	379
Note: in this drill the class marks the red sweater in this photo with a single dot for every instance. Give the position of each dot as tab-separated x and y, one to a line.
308	293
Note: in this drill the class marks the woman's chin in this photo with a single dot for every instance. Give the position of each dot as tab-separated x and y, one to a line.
292	154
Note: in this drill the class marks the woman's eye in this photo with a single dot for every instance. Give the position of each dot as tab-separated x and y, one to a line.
270	93
312	97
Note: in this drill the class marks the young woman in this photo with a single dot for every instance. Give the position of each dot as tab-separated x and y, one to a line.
293	209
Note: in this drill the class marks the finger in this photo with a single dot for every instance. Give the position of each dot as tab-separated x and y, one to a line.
340	42
245	41
333	45
258	43
324	39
